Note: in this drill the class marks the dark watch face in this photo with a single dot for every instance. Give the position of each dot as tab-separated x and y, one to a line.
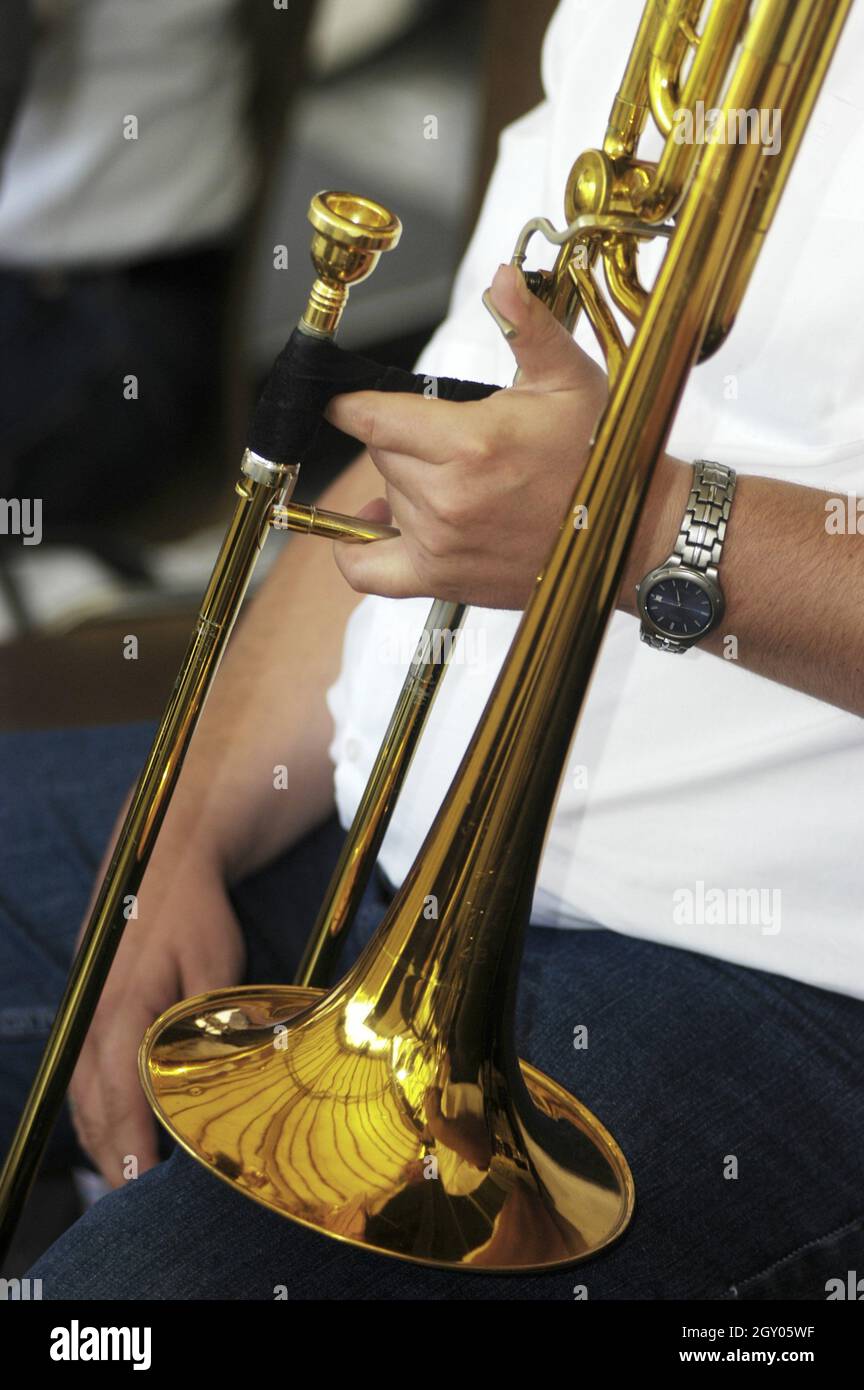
679	607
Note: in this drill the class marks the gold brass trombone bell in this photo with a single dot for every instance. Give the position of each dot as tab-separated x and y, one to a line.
360	1118
382	1113
366	1128
391	1112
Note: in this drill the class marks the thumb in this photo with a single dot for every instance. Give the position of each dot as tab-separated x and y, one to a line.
382	567
546	354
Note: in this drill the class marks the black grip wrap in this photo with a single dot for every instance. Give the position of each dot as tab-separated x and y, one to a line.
307	372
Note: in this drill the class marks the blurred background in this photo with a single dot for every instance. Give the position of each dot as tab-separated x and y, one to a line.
156	165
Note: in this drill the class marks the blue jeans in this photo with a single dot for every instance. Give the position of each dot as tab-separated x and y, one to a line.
690	1061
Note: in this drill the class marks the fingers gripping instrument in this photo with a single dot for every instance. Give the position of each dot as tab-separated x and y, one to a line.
392	1112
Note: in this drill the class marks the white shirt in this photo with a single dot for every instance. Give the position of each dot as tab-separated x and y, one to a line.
75	187
703	780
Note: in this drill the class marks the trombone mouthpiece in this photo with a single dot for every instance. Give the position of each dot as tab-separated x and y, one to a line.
350	233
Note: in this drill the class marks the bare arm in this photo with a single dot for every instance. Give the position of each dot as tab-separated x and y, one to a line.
226	818
461	477
267	706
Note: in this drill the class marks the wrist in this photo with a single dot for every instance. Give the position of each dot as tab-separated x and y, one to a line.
658	526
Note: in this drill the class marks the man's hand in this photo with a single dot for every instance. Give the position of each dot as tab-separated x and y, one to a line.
185	940
478	489
225	821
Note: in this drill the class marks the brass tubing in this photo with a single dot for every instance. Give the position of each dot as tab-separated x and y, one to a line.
369	826
674	39
482	853
704	83
233	569
798	99
350	234
630	107
332	526
602	321
563	295
622	277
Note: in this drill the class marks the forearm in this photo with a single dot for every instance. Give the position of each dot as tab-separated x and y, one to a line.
792	590
267	708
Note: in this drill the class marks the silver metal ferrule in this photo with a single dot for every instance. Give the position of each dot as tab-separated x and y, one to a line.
262	470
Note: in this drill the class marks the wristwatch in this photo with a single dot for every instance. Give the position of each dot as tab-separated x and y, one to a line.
681	601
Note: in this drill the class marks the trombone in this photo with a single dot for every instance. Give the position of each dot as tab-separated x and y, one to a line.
392	1113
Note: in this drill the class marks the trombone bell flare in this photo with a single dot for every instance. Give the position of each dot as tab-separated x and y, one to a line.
336	1117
